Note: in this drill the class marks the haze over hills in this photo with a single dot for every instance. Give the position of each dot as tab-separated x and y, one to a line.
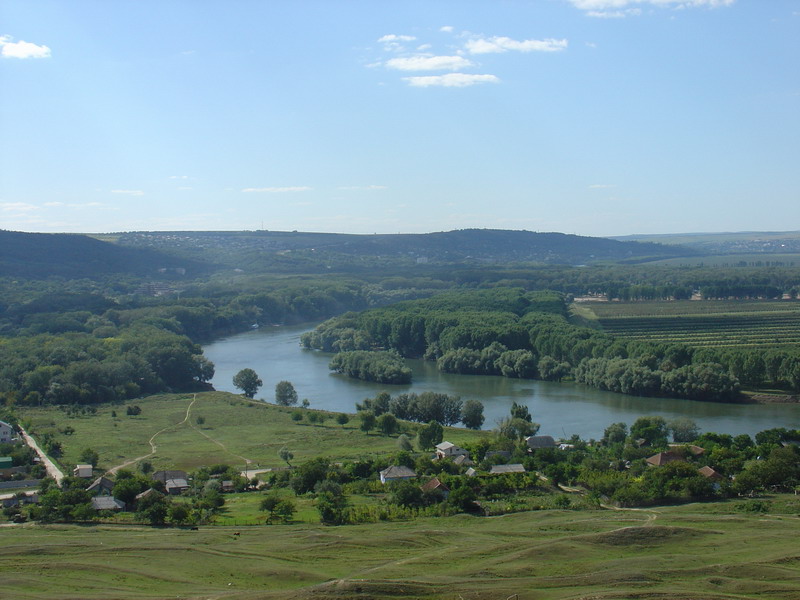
145	253
257	248
740	242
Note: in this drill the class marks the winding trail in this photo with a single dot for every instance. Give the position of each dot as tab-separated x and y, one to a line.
152	440
154	448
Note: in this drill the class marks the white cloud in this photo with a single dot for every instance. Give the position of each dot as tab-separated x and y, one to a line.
21	49
277	190
504	44
392	38
128	192
450	80
362	187
428	63
17	207
179	177
424	47
621	8
446	29
53	204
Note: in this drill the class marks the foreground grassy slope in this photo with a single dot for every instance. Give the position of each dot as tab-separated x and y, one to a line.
693	551
234	430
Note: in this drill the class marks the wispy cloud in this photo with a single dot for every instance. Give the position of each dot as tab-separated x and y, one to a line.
128	192
21	49
504	44
424	62
277	190
396	38
446	29
17	207
179	177
450	80
614	9
362	187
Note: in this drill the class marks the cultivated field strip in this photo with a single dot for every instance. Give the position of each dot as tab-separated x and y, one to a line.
704	323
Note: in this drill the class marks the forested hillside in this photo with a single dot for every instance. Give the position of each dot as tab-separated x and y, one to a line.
36	255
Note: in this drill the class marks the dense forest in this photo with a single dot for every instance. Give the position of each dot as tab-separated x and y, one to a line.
511	332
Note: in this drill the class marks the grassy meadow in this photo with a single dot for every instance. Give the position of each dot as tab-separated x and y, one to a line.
693	551
717	323
233	430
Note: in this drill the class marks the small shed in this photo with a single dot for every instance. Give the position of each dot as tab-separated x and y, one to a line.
83	471
397	473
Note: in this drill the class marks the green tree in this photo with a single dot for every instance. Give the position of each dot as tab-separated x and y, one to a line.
472	414
651	429
387	424
615	433
368	420
89	457
248	381
404	443
286	455
285	394
683	429
342	419
429	435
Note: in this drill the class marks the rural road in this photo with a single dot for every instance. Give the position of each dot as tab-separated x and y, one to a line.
52	470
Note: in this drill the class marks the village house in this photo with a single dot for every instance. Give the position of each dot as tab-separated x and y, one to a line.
435	486
503	469
101	486
175	487
662	458
540	442
449	450
107	503
7	434
396	473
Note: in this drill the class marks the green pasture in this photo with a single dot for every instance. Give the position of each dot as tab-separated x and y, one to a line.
234	430
716	551
719	323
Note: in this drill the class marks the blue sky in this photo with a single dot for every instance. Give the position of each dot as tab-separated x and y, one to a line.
596	117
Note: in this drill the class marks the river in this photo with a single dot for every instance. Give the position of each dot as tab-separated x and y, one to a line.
562	409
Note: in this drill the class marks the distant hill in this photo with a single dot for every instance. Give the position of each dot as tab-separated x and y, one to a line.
36	255
265	250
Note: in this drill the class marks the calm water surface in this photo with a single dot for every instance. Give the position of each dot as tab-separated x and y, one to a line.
562	409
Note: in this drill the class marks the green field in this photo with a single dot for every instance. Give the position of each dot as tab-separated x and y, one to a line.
693	551
235	430
717	323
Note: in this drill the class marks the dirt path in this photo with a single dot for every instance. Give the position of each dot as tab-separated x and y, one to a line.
246	461
651	514
52	470
152	440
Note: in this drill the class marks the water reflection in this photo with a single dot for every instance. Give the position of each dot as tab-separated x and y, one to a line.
562	409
